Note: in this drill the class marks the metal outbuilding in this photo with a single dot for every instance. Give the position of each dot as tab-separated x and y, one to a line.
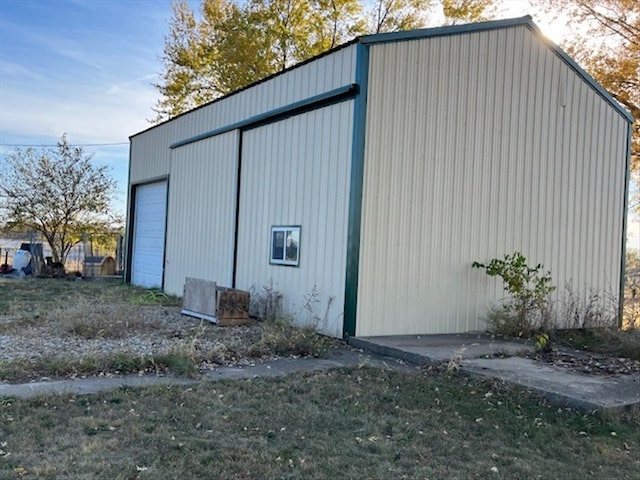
363	183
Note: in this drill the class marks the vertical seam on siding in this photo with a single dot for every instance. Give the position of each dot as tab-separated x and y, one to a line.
166	229
237	213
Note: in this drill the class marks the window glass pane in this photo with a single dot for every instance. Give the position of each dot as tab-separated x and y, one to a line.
277	252
293	240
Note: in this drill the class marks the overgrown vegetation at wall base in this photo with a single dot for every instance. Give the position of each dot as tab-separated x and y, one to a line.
527	309
280	337
582	320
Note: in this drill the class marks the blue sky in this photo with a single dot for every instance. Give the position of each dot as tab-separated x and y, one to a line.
84	67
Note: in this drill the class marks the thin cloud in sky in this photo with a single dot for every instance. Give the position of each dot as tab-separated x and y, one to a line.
84	51
84	67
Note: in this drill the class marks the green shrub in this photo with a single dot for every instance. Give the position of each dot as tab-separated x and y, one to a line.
528	308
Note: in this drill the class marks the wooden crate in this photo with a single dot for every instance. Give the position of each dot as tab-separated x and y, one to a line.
232	306
206	300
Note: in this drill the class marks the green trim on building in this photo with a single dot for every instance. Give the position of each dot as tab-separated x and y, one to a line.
306	105
445	31
623	260
355	195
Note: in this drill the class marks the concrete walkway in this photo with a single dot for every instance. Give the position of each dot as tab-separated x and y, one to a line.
338	358
473	354
481	355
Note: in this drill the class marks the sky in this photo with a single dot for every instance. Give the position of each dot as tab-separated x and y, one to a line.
87	68
84	67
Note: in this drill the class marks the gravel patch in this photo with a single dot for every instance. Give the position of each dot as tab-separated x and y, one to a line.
588	363
134	330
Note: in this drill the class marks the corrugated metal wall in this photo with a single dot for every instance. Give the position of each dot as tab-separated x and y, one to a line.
201	213
297	172
322	75
151	157
479	145
150	149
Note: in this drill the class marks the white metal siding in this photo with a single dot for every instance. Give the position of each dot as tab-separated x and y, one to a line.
479	145
297	172
150	154
322	75
151	157
201	219
148	234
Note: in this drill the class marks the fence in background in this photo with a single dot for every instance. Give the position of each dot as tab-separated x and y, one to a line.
96	254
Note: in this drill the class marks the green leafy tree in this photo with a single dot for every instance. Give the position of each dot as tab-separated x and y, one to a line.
199	56
230	44
467	11
57	192
336	21
395	15
288	27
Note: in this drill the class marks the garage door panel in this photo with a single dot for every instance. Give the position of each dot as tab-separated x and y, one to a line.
297	172
148	235
202	212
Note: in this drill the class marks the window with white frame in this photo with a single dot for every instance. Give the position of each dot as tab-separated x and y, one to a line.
285	245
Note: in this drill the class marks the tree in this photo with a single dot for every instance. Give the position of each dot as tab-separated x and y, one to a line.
233	44
57	192
605	40
466	11
191	49
229	47
336	21
396	15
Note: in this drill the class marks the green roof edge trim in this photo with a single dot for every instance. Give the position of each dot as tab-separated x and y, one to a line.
623	260
276	114
444	31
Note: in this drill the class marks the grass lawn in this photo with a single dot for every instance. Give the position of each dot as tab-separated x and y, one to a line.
354	423
38	294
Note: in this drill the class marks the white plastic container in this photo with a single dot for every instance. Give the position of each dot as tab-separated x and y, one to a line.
21	259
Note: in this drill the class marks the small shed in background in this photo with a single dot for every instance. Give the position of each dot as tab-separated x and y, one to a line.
99	266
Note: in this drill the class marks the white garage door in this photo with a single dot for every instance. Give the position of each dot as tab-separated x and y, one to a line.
148	235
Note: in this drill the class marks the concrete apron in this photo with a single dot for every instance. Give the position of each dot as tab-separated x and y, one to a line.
476	354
